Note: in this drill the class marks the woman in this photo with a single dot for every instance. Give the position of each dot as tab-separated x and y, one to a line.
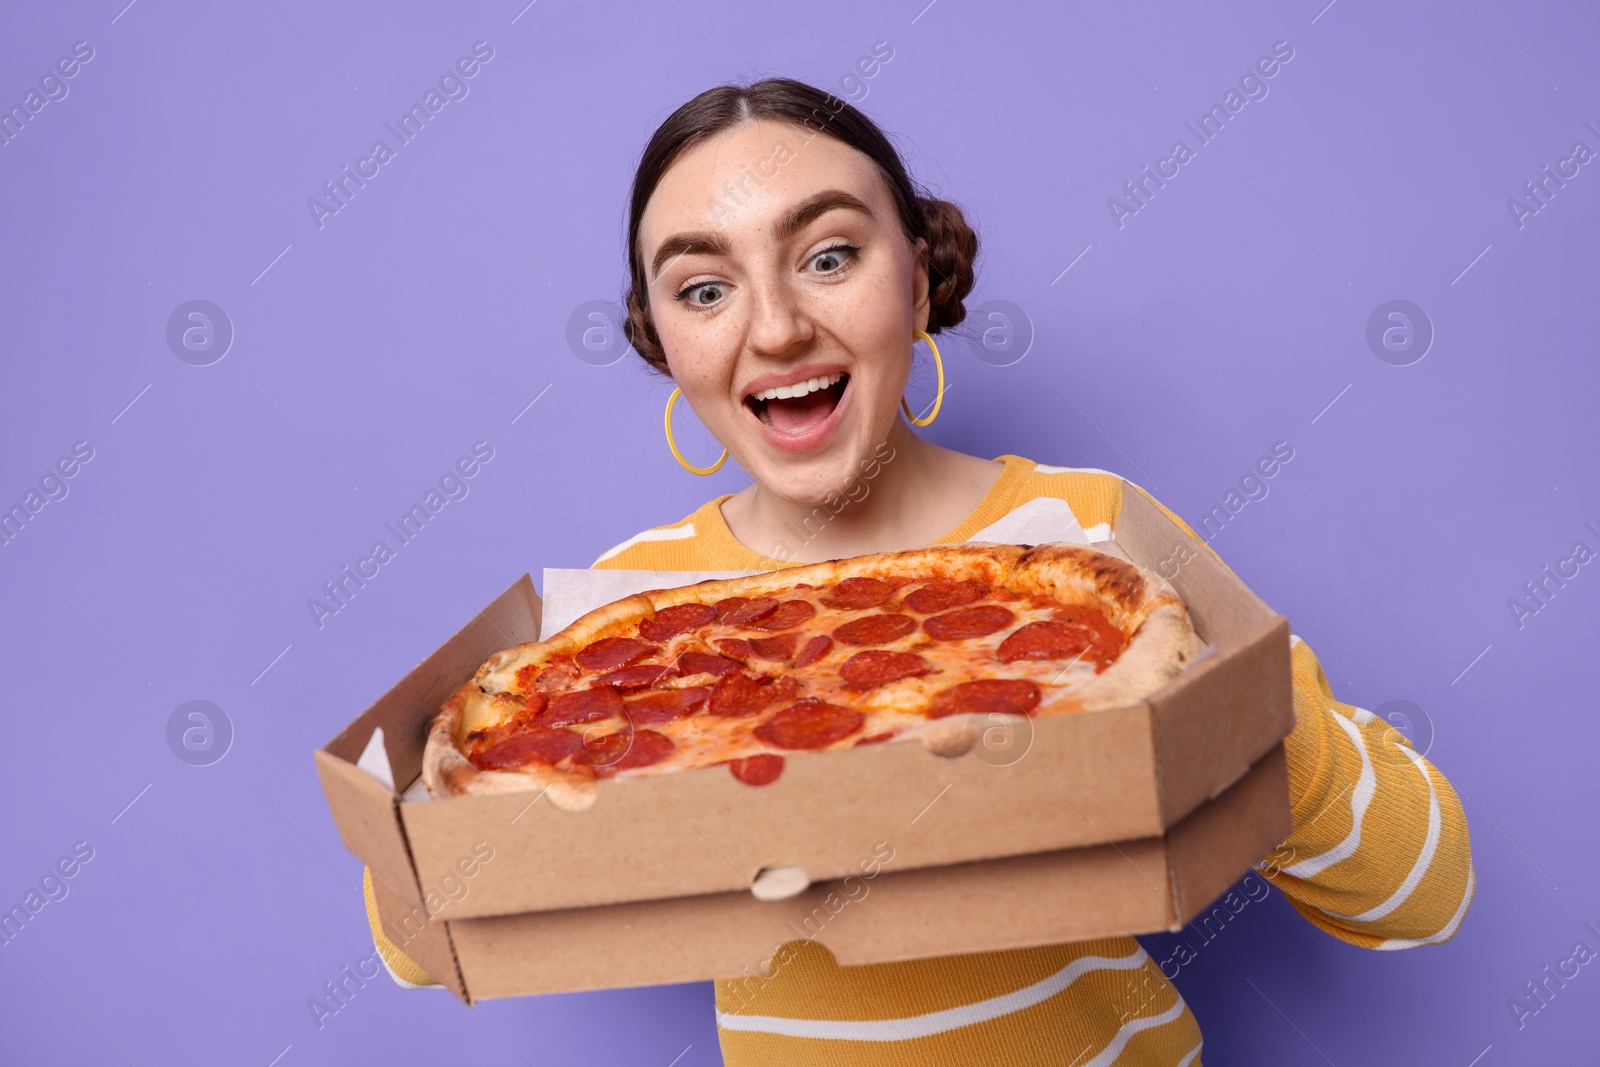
782	263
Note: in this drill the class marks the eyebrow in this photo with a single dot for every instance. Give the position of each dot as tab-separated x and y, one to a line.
706	242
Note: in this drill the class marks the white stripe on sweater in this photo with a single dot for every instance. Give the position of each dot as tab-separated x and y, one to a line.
1046	469
1430	845
1109	1054
674	533
934	1022
1395	943
1360	798
401	982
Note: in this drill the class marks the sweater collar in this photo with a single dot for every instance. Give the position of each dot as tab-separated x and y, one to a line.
733	554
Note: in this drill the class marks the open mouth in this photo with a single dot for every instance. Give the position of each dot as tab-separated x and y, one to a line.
799	407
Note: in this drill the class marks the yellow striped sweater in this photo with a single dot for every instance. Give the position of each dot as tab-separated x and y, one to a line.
1379	857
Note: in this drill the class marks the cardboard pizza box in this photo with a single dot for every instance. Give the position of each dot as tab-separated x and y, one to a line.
877	914
1084	782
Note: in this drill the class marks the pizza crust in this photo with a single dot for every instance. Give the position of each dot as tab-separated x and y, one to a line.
447	772
1162	640
1162	643
991	564
1157	653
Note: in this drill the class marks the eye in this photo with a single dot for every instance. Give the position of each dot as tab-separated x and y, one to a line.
703	294
833	260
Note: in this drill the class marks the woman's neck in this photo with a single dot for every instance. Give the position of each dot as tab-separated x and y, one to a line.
909	493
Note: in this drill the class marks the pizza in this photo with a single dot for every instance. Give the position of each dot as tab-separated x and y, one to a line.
741	672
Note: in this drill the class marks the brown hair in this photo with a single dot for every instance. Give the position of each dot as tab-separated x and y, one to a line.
952	244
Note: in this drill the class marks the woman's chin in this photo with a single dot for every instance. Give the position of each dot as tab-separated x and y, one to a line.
811	482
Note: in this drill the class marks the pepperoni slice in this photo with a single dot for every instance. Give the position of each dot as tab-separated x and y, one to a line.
778	647
706	663
1044	640
1006	696
737	610
867	670
485	739
735	648
873	739
789	614
738	696
809	724
608	653
786	689
677	619
813	650
1078	615
944	595
560	673
858	593
638	676
664	705
875	629
757	770
966	623
582	705
535	745
626	750
1109	640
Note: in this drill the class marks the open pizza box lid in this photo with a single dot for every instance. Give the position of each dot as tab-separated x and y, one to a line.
1069	782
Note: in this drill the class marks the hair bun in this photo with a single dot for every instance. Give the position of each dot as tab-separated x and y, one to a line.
952	251
641	332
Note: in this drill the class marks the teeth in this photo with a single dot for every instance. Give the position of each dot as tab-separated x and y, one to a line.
810	385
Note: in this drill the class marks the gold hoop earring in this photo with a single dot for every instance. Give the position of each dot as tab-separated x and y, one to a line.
938	400
690	467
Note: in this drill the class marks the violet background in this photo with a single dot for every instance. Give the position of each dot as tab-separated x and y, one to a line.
429	312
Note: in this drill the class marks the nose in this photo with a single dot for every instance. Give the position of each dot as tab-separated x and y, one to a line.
779	325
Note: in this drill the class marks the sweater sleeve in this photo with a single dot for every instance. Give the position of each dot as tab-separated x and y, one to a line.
1379	855
405	971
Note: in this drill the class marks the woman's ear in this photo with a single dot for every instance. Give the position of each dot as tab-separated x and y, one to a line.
921	306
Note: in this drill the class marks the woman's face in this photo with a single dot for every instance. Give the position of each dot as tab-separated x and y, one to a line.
785	295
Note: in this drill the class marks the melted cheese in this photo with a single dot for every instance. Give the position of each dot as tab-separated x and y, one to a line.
897	709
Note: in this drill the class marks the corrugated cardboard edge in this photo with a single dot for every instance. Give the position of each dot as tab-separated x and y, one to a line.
367	812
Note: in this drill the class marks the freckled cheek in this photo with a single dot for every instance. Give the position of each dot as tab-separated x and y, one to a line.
875	312
879	396
702	364
882	345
